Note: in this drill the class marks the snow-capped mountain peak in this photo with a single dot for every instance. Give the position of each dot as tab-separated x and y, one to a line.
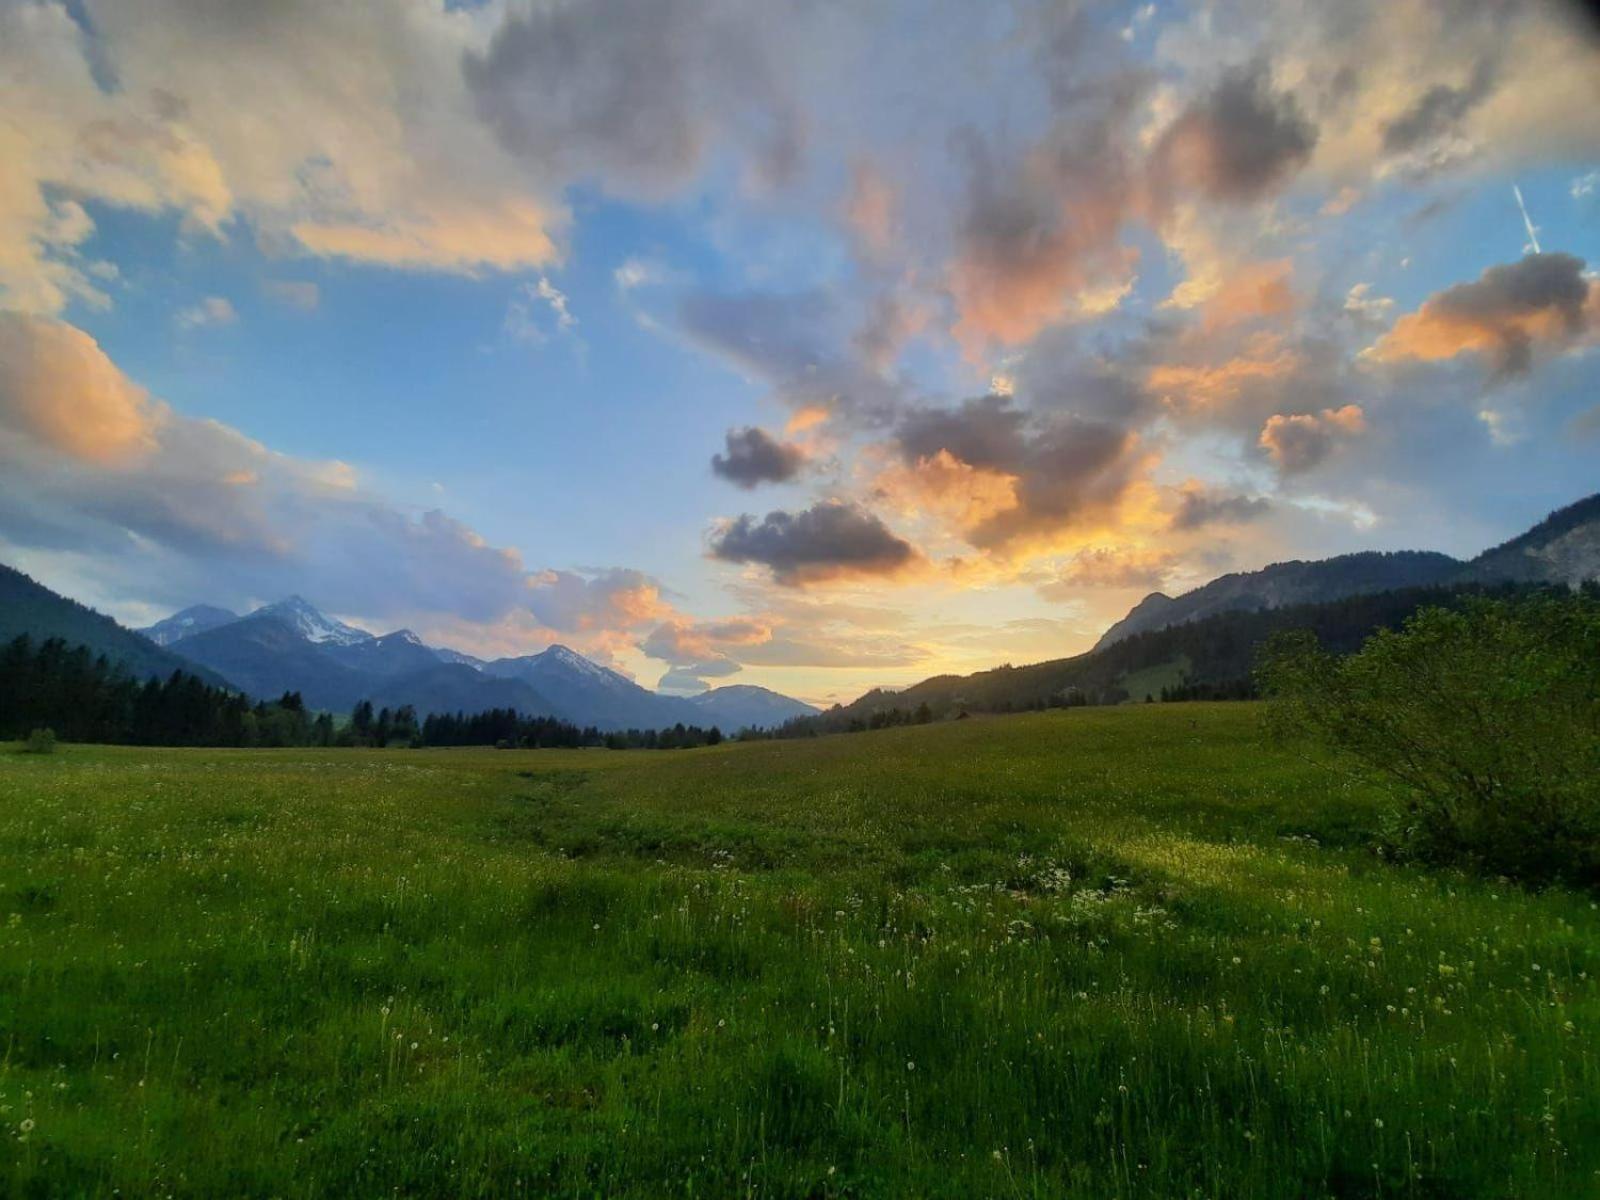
447	655
301	616
559	655
197	618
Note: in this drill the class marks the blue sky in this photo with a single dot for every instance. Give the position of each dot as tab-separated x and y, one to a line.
1240	282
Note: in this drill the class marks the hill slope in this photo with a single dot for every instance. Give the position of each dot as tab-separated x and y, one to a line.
1287	583
1563	548
1216	653
31	608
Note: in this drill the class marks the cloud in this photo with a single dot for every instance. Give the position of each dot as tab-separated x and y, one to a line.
1064	471
538	311
359	138
680	640
1200	505
633	94
691	678
301	294
1543	300
754	456
213	310
1038	242
830	540
1299	441
1438	111
1111	567
59	390
1253	292
1239	141
173	508
613	599
799	344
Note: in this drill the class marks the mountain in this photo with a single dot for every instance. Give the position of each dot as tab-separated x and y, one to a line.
1287	583
196	619
398	653
292	647
31	608
745	706
1562	548
447	655
1204	642
267	656
586	693
312	625
1209	658
456	687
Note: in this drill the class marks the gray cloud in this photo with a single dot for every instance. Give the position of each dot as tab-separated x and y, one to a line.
1438	111
1201	506
635	94
1066	467
1239	141
826	541
800	344
754	456
692	677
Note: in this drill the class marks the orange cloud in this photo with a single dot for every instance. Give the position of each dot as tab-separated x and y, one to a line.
1300	441
942	486
58	387
870	210
466	237
1187	388
1544	300
1254	291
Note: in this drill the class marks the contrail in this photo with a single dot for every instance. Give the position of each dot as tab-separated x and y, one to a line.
1533	236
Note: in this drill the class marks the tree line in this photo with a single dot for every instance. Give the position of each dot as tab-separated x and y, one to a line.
81	696
85	697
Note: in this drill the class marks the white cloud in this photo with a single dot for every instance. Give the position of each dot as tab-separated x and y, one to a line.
213	310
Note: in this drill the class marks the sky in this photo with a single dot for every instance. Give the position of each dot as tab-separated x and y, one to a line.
814	344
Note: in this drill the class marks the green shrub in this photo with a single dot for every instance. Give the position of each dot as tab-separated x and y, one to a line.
1483	721
41	741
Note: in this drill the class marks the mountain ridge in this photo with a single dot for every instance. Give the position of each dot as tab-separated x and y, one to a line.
1562	548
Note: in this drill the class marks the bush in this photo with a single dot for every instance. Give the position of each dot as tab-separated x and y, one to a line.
41	741
1484	723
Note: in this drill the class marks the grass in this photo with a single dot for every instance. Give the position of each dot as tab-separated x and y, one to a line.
1106	952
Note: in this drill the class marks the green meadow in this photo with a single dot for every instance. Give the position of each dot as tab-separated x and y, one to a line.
1099	953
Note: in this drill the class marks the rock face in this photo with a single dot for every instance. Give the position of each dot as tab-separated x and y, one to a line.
1563	548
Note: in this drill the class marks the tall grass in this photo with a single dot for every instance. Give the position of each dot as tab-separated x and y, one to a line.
1094	953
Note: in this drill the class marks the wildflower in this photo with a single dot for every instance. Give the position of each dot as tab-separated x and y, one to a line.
27	1125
